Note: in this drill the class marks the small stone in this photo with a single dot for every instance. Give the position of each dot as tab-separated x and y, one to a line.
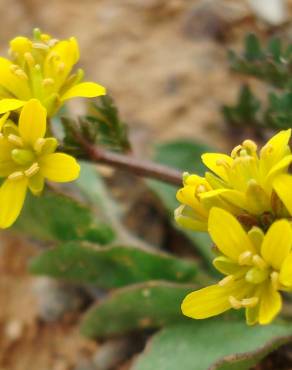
55	299
14	330
112	353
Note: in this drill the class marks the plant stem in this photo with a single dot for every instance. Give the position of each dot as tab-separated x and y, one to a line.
134	165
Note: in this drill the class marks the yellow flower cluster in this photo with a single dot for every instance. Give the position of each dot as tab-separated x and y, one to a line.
245	203
41	68
34	82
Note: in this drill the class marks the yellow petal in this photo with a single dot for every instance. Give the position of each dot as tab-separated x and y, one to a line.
277	243
3	119
11	84
12	195
275	149
212	300
213	162
36	183
7	105
225	265
283	185
59	167
187	218
252	314
286	271
84	89
32	121
270	304
228	234
206	302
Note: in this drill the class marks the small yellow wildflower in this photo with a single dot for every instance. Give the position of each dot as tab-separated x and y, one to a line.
256	266
243	183
27	158
41	68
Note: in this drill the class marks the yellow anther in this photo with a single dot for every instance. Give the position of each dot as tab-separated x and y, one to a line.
222	163
250	302
250	145
13	67
33	169
245	258
29	59
235	303
243	153
48	82
38	145
259	262
16	175
235	151
21	74
61	67
201	189
39	45
16	140
228	279
275	280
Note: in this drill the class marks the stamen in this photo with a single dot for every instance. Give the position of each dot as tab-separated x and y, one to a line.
235	303
228	279
16	175
39	45
48	82
13	67
14	139
250	145
259	262
21	74
250	302
275	280
221	162
235	151
201	189
33	169
38	145
245	258
61	67
29	59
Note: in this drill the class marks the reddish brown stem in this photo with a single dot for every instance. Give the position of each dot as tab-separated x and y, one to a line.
134	165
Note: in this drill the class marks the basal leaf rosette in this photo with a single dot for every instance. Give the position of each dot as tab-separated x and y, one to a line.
257	267
27	158
250	185
41	68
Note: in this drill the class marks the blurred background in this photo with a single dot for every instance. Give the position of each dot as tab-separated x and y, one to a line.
164	62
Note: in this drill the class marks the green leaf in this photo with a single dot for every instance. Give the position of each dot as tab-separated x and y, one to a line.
109	267
149	305
212	345
186	156
111	130
279	112
54	217
252	47
244	112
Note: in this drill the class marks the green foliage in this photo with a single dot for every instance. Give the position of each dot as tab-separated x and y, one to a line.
211	345
271	64
148	305
56	217
244	112
186	156
112	131
110	267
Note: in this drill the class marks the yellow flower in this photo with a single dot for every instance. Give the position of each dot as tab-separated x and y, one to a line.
243	183
256	266
27	158
41	68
